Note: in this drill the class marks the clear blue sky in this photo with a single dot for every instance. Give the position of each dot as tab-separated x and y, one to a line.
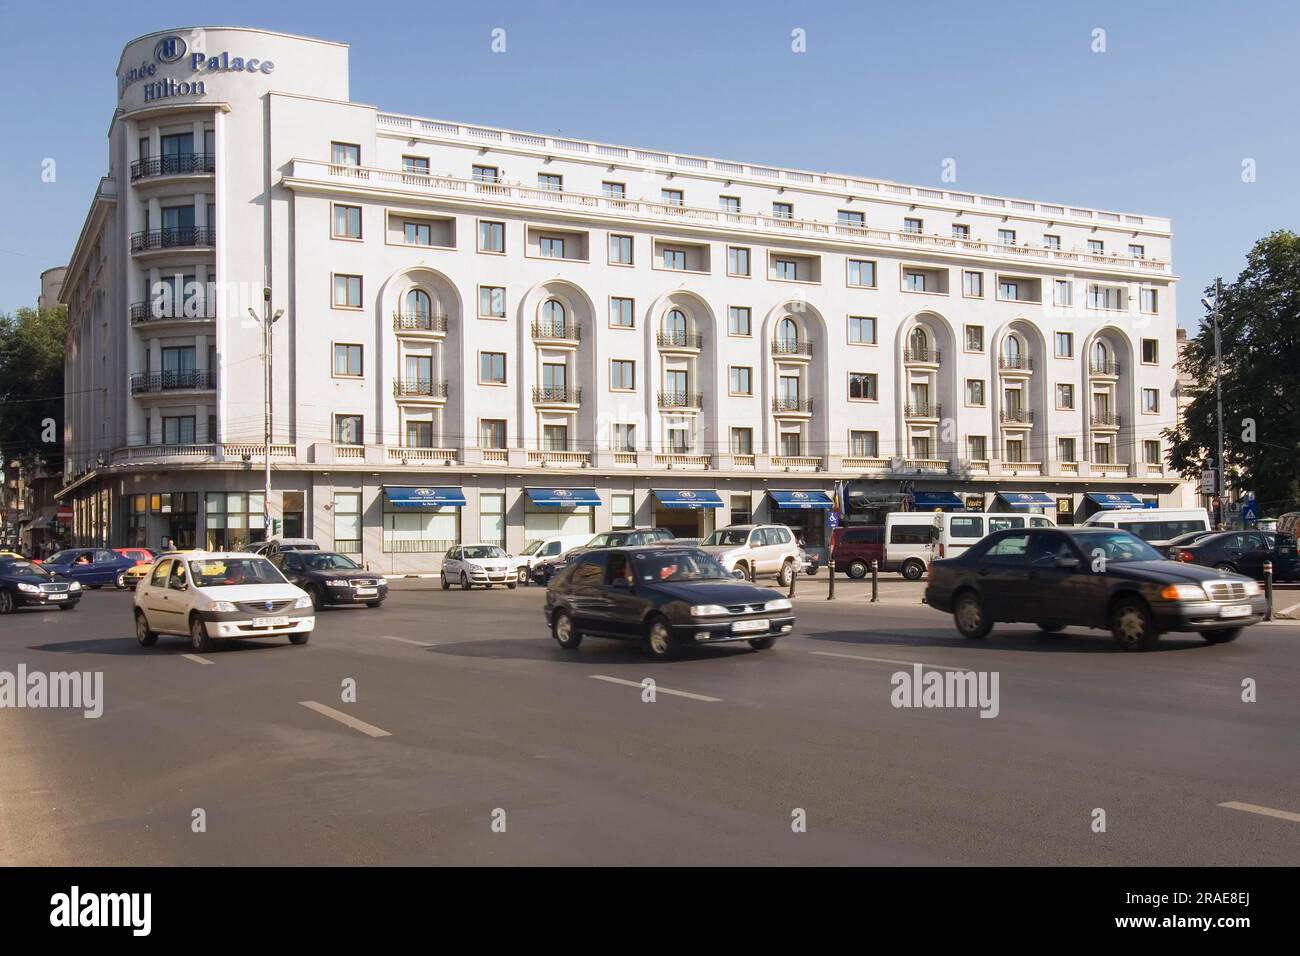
1158	124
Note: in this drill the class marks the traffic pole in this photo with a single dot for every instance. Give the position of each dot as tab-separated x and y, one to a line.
1268	590
875	581
830	568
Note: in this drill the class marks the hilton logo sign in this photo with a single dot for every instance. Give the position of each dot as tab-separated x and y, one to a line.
173	49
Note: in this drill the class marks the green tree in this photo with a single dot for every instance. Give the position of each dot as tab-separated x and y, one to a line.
1260	328
32	345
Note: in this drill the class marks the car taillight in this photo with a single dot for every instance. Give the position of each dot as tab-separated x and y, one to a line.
1181	555
941	549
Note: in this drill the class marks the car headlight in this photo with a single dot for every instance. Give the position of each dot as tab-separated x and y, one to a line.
1252	588
337	584
74	586
304	601
225	607
29	588
708	610
1183	592
780	604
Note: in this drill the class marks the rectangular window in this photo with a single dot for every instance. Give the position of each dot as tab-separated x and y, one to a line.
864	444
1065	449
612	190
491	236
742	509
1007	237
622	374
674	259
347	292
739	320
1051	242
492	368
974	338
178	430
622	511
729	203
1150	351
492	433
417	234
485	174
742	380
672	197
1101	452
492	518
960	230
782	210
848	217
785	269
862	273
914	281
419	434
1096	246
347	522
492	302
347	360
620	312
974	391
862	386
555	437
623	436
1149	299
1151	452
1015	450
738	261
620	250
347	222
1063	292
977	448
416	164
1008	291
742	441
1150	401
550	182
913	226
1065	345
972	284
1064	395
1137	251
862	330
349	430
1103	297
345	154
551	247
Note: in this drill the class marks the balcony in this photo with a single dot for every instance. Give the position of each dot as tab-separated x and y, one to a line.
682	460
184	237
556	395
421	456
559	459
796	462
1016	416
189	380
1110	469
210	451
430	323
142	313
1015	363
687	400
419	389
1107	369
179	164
792	406
922	356
930	466
679	341
562	333
792	349
1104	420
922	410
1022	468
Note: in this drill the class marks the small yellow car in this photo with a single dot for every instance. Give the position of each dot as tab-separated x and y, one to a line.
132	576
12	554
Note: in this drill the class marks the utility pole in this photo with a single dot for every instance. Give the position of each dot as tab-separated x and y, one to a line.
1221	482
266	321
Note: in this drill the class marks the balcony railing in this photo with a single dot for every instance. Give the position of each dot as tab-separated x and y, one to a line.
1103	368
178	164
1105	420
419	387
172	381
923	355
681	399
559	394
544	331
791	347
182	236
786	404
1021	416
923	410
680	340
1013	363
146	312
419	322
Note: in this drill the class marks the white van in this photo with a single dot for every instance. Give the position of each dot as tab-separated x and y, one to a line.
955	531
907	542
1156	526
540	549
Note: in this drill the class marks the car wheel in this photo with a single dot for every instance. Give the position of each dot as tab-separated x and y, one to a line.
563	632
522	575
6	602
1132	626
66	607
199	639
94	587
143	635
659	640
912	570
743	568
1051	628
858	569
1226	567
299	638
511	585
464	581
971	618
762	643
446	585
1222	635
787	572
373	603
121	581
317	599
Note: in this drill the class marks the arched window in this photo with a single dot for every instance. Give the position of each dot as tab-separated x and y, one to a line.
1100	355
787	331
919	342
675	322
419	304
553	316
1011	348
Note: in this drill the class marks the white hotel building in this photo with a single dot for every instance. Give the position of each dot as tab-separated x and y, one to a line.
550	333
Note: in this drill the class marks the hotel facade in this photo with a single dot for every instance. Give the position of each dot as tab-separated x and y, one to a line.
489	335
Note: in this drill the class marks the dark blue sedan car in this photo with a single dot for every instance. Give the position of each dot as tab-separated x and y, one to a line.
24	584
90	567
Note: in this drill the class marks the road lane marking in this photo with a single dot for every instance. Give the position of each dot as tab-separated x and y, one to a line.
890	660
658	688
369	729
196	659
407	640
1263	811
1288	610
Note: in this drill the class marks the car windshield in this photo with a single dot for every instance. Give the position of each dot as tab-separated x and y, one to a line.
1118	546
226	572
478	552
328	561
531	546
23	569
727	537
675	566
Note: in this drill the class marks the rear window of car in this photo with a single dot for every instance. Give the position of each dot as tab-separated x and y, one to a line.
864	535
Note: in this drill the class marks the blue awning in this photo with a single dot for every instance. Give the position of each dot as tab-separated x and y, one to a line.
802	499
1110	500
1027	499
563	497
929	500
424	497
688	498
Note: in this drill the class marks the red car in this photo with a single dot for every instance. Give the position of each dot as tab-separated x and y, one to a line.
138	555
856	546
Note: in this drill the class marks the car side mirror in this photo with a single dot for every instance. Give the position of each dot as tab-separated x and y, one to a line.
1068	564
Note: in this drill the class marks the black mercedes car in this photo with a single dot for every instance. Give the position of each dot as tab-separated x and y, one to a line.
331	578
663	597
1243	552
1089	577
23	584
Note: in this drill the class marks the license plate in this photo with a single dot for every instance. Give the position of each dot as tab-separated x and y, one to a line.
1235	610
56	597
270	621
367	592
745	627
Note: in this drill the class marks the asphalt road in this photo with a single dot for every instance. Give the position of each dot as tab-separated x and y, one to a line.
485	719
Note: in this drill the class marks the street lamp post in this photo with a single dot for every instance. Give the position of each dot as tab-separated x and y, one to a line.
266	321
1221	484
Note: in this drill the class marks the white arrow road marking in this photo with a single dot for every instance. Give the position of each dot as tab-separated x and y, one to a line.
890	660
1263	811
369	729
658	689
196	659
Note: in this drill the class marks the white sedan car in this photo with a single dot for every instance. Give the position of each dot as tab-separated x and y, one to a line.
211	596
471	564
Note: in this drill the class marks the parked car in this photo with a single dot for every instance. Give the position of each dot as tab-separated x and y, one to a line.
138	555
543	571
331	578
1089	577
855	547
955	531
213	596
665	597
1243	552
1156	526
92	568
1191	537
748	550
471	564
14	556
275	545
1289	523
907	542
131	577
542	549
24	584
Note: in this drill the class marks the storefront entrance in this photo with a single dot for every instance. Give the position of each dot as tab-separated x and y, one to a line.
687	513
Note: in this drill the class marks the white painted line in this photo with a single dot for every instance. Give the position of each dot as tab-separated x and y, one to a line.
658	689
890	660
407	640
1263	811
369	729
196	659
1288	610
